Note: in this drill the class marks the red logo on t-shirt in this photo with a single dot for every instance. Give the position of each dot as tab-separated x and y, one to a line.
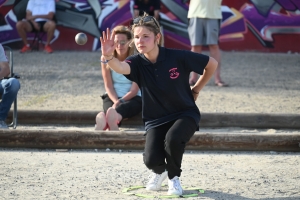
173	73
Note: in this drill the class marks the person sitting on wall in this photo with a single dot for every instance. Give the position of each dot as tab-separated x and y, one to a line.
122	98
39	18
9	88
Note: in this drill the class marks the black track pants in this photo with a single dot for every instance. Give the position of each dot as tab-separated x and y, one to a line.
165	145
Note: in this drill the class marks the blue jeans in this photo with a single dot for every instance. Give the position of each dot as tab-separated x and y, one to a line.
9	89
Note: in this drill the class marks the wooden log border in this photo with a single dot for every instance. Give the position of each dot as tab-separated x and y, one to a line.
70	139
246	120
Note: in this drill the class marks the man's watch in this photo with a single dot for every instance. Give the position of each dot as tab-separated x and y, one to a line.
122	100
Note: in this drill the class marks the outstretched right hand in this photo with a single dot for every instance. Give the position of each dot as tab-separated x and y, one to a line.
108	44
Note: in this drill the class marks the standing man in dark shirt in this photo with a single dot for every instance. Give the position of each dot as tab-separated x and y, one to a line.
151	7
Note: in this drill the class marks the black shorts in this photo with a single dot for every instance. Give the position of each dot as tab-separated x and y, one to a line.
127	109
41	23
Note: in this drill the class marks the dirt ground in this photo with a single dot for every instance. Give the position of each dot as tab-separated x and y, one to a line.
259	83
96	174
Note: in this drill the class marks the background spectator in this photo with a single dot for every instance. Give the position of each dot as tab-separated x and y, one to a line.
151	7
39	18
8	88
204	26
123	97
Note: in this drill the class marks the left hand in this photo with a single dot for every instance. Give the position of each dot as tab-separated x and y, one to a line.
116	104
31	18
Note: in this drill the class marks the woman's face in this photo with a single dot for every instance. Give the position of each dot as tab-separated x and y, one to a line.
122	44
144	39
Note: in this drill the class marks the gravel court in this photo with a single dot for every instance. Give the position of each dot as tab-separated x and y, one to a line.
71	80
103	174
65	80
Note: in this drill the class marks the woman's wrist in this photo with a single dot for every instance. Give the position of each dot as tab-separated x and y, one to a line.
106	59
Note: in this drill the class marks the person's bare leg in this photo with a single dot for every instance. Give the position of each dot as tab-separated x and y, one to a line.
113	118
23	27
49	28
101	123
194	76
216	54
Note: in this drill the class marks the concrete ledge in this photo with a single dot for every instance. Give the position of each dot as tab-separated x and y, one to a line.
247	120
70	139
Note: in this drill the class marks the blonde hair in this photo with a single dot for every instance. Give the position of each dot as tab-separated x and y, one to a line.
151	25
126	31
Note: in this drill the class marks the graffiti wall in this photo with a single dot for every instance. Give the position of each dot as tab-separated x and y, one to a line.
247	25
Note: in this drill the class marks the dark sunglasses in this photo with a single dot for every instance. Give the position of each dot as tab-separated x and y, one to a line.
145	19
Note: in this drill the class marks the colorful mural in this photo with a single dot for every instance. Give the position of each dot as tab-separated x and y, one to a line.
271	25
247	25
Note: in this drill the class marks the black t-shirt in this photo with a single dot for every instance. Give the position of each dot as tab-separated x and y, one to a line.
147	7
166	93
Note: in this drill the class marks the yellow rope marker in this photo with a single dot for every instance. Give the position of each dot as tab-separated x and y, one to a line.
127	191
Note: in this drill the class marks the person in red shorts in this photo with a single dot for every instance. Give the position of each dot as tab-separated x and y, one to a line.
39	18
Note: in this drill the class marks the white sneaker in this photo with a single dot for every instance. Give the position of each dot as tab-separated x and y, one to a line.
156	180
174	186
